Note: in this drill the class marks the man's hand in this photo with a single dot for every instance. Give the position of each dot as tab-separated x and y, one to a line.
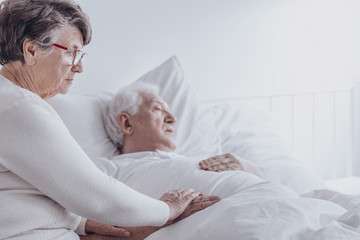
105	229
137	233
229	162
100	237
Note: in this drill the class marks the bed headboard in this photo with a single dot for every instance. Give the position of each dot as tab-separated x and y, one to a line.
322	128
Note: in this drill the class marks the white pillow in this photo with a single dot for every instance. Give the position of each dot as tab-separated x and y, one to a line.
195	129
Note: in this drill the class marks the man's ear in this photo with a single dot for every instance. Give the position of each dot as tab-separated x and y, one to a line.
124	120
30	50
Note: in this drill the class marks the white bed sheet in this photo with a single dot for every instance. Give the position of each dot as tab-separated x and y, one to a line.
251	208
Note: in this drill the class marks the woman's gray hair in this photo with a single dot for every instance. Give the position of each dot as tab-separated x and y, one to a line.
39	21
128	100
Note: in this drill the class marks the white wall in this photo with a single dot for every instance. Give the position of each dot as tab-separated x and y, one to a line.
227	48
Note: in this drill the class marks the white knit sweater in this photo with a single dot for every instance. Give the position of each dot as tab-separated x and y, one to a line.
45	176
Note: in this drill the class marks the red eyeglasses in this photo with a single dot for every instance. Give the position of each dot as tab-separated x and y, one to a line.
77	55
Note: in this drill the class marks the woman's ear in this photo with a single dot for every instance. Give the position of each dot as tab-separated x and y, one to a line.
124	121
29	50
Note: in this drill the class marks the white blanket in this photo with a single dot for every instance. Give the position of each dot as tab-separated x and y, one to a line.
251	208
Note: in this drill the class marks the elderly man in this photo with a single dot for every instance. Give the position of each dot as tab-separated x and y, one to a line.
147	125
139	120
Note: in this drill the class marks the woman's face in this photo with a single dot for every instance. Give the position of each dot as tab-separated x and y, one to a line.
54	72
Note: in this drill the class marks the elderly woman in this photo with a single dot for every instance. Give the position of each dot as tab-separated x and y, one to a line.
46	179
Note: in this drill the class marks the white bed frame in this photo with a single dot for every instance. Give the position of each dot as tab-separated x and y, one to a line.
322	128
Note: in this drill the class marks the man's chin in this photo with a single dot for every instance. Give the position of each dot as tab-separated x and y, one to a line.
173	146
169	148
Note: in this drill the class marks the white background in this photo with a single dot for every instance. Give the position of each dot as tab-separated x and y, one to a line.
227	48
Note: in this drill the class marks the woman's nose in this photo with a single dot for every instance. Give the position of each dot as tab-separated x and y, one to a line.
78	67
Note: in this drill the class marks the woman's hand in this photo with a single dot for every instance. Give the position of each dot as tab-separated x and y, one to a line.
228	162
183	203
198	204
178	200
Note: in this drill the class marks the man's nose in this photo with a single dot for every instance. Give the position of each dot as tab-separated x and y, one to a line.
170	119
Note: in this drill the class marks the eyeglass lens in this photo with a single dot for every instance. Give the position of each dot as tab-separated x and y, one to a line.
78	56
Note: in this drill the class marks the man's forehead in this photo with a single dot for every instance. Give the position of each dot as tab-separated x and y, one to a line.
158	99
153	98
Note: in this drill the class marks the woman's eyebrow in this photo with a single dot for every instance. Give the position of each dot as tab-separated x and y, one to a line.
76	46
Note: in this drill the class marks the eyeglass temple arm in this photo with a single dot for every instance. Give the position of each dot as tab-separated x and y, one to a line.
59	46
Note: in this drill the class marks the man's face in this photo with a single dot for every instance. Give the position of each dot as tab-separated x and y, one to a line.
153	125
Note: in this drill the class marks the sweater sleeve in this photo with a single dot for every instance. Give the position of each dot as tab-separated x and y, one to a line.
36	145
80	230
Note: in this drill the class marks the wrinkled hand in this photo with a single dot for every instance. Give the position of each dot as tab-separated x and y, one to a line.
105	229
198	204
178	200
228	162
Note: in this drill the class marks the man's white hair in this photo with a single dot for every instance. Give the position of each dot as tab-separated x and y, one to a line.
128	100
